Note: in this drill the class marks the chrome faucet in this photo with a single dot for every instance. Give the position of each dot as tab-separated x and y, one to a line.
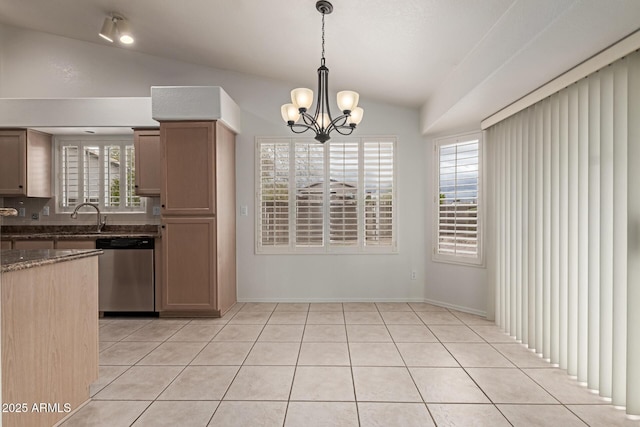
101	221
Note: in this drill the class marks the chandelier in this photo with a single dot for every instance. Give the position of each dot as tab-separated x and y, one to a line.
322	122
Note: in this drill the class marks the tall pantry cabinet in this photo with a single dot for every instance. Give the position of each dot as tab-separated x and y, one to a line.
197	199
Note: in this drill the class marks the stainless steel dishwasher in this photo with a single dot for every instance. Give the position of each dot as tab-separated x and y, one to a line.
126	275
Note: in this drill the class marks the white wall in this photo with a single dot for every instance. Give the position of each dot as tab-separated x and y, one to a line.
40	65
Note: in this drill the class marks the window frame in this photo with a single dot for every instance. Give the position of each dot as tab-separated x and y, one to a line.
479	260
326	248
123	141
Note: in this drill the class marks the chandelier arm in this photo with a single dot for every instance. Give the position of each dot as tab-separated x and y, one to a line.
300	125
310	121
349	129
339	121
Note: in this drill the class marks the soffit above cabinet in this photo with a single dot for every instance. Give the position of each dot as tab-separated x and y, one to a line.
76	112
187	103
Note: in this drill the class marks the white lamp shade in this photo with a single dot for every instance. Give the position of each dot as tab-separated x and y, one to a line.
302	97
356	116
289	113
348	100
124	32
108	29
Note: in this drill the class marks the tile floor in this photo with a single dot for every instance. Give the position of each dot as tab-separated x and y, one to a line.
351	364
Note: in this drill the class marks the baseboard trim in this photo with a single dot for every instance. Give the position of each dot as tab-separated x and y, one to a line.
456	307
312	300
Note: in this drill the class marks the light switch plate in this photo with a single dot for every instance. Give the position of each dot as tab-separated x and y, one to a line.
244	210
45	211
22	212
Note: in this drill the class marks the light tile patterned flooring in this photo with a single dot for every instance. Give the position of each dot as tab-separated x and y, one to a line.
350	364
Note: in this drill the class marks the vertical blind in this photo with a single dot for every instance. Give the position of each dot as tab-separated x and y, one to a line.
564	178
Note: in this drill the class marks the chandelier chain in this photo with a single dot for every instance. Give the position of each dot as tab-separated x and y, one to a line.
322	38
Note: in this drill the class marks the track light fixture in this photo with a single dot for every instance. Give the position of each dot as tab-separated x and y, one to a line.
116	25
322	122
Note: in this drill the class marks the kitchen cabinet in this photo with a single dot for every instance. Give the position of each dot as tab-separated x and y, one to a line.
76	244
5	244
198	217
25	163
33	244
189	162
49	335
148	175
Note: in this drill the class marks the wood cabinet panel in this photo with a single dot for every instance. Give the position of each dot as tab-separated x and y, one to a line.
75	244
147	162
189	264
5	244
49	338
13	163
188	173
33	244
25	163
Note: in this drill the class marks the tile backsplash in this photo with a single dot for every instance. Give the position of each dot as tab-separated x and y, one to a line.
36	208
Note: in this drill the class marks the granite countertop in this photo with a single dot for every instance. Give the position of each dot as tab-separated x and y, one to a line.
75	232
14	260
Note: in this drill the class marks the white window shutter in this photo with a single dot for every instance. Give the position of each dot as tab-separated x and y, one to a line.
378	194
274	194
343	209
457	202
309	194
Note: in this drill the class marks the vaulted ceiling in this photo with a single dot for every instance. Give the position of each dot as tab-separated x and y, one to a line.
457	60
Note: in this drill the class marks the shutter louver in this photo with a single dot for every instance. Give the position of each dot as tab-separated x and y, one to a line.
274	194
458	199
343	209
378	197
309	169
70	176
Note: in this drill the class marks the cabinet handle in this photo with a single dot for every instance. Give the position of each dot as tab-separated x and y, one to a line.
163	226
135	186
162	206
19	186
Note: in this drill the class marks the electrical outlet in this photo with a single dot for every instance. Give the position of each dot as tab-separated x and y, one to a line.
45	211
244	210
156	210
35	216
413	275
22	212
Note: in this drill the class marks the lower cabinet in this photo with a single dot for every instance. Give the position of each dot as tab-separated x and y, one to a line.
76	244
189	266
33	244
5	244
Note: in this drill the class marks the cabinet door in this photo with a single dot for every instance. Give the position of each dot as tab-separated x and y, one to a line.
189	265
13	162
76	244
188	175
147	162
38	164
5	244
33	244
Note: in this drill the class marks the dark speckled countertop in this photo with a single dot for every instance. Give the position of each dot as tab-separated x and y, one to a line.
13	259
75	232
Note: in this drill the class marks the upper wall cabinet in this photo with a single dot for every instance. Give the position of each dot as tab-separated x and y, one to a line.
25	163
148	164
189	159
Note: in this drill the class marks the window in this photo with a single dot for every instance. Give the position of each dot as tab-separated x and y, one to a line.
99	171
333	197
457	204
